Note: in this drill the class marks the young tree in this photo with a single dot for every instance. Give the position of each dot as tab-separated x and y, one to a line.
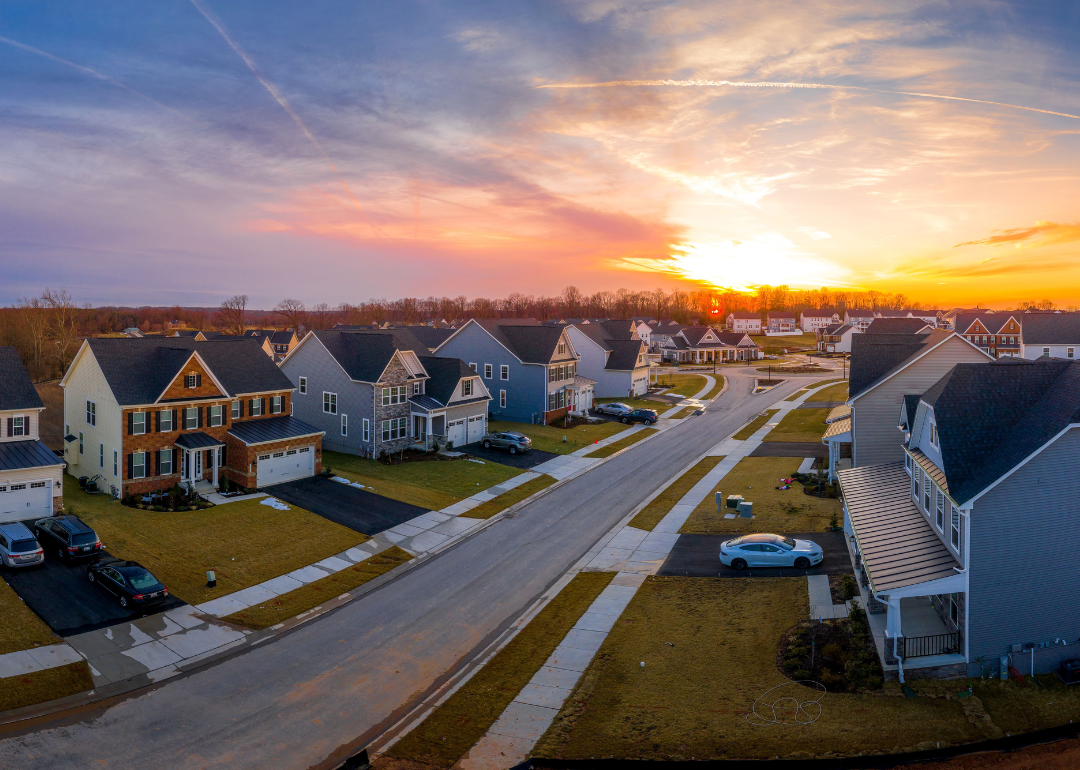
232	315
294	313
35	322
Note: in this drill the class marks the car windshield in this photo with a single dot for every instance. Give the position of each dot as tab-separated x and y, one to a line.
785	542
140	581
84	538
23	546
518	436
735	542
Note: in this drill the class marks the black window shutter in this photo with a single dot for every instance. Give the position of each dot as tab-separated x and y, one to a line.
198	417
130	465
241	408
208	420
174	423
131	422
223	461
263	410
10	425
175	460
157	422
198	380
157	463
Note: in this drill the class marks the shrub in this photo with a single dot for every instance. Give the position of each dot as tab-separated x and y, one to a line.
800	673
834	522
831	679
848	587
832	651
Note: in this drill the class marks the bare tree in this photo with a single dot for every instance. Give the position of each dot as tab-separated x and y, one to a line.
321	317
63	324
35	320
294	313
232	315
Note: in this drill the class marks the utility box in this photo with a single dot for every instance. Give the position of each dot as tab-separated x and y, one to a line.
746	509
719	502
1004	673
734	500
1070	671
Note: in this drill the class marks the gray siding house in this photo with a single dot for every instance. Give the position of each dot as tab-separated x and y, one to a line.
372	393
611	354
529	368
960	589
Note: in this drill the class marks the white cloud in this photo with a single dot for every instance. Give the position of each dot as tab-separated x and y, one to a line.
817	235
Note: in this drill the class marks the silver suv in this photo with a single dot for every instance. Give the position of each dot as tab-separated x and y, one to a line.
510	440
18	548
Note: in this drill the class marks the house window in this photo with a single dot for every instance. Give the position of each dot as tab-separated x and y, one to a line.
191	418
502	399
116	462
165	462
394	395
926	492
933	434
18	426
562	348
552	373
216	416
394	429
1070	353
101	455
80	442
466	387
504	372
91	413
138	465
940	511
344	425
256	407
954	535
138	423
191	381
487	371
367	430
329	402
275	405
472	366
236	410
954	611
907	459
571	371
551	401
303	385
165	421
915	485
1046	351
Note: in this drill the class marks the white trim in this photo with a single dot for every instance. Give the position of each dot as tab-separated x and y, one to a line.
180	372
894	372
276	440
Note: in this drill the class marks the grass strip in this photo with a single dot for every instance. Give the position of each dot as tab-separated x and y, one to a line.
796	394
800	425
21	629
685	412
715	389
684	384
837	392
649	516
623	443
506	499
452	729
753	426
45	685
549	438
291	604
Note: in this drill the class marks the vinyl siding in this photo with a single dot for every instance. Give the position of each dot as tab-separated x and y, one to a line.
526	390
609	384
31	432
85	381
1024	582
876	413
1033	350
52	475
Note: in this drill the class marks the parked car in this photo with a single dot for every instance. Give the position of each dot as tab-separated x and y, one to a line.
129	581
647	416
67	536
615	407
765	550
18	548
510	440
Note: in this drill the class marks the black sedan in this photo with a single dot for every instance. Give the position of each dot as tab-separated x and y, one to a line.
647	416
129	581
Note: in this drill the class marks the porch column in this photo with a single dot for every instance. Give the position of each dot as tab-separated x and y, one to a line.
215	458
834	448
427	429
893	631
190	466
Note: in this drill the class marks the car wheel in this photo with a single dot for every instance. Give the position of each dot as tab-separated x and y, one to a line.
487	445
123	602
650	422
624	420
738	564
513	450
60	554
802	563
90	577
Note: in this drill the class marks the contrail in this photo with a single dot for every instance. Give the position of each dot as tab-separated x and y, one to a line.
220	27
91	72
743	84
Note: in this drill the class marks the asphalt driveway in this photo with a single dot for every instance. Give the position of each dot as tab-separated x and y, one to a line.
346	505
522	460
70	604
791	449
699	556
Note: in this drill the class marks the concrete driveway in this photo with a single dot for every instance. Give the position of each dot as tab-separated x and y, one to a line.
522	460
61	595
699	556
354	508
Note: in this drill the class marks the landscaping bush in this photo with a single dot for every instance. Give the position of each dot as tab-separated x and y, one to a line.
837	653
848	587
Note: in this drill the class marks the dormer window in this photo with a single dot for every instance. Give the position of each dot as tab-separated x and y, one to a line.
192	381
466	387
934	441
562	348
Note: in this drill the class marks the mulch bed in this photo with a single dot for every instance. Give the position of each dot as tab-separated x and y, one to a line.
839	654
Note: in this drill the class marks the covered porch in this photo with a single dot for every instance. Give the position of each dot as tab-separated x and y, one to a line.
912	586
428	423
580	395
200	457
838	438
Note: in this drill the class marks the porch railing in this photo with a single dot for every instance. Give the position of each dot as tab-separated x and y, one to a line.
924	646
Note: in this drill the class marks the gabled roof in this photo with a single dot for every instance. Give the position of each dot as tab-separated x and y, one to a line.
432	337
1051	328
364	355
891	313
186	333
668	329
739	315
992	323
738	339
835	329
992	416
859	313
874	357
444	375
781	314
896	326
139	370
16	389
624	354
908	410
694	334
820	312
528	339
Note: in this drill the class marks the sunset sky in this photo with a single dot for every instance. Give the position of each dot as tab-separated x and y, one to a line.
182	151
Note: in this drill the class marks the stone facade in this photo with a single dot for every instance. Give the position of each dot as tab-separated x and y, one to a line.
951	671
396	375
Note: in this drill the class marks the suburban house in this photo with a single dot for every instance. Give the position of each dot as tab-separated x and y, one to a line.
947	318
890	313
529	368
613	357
885	368
1001	334
1049	334
859	318
658	333
699	345
431	336
204	336
739	321
31	475
935	531
745	348
781	322
281	342
812	319
898	326
152	413
929	317
381	391
836	338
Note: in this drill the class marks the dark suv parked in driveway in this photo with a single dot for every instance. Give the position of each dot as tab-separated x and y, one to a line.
647	416
129	581
68	537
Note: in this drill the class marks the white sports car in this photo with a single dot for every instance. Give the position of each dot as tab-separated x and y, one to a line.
765	550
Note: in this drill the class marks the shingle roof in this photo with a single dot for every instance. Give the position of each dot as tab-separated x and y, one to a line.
1051	328
992	322
895	326
837	428
624	355
139	370
780	314
197	440
431	337
820	312
26	454
737	339
875	356
741	316
445	374
272	429
891	313
16	389
911	406
834	329
526	338
860	313
365	354
991	416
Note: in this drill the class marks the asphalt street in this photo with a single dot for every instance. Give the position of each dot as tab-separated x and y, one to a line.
340	680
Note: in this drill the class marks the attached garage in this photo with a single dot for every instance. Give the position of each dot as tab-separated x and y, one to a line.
456	432
476	428
25	500
285	465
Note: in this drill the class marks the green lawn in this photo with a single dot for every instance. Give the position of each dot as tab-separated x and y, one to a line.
623	443
243	542
506	499
837	392
45	685
548	438
686	411
682	384
756	479
649	516
709	649
430	484
311	595
794	341
451	730
21	629
800	425
715	389
755	425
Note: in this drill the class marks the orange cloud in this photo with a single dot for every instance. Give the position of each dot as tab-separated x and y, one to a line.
1046	233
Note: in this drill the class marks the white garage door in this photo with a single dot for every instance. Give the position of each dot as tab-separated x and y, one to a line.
25	500
285	465
475	428
455	431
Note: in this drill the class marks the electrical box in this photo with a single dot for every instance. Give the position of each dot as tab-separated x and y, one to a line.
746	509
719	502
734	500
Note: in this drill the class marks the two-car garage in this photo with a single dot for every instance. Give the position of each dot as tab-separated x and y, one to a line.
467	430
285	465
25	500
